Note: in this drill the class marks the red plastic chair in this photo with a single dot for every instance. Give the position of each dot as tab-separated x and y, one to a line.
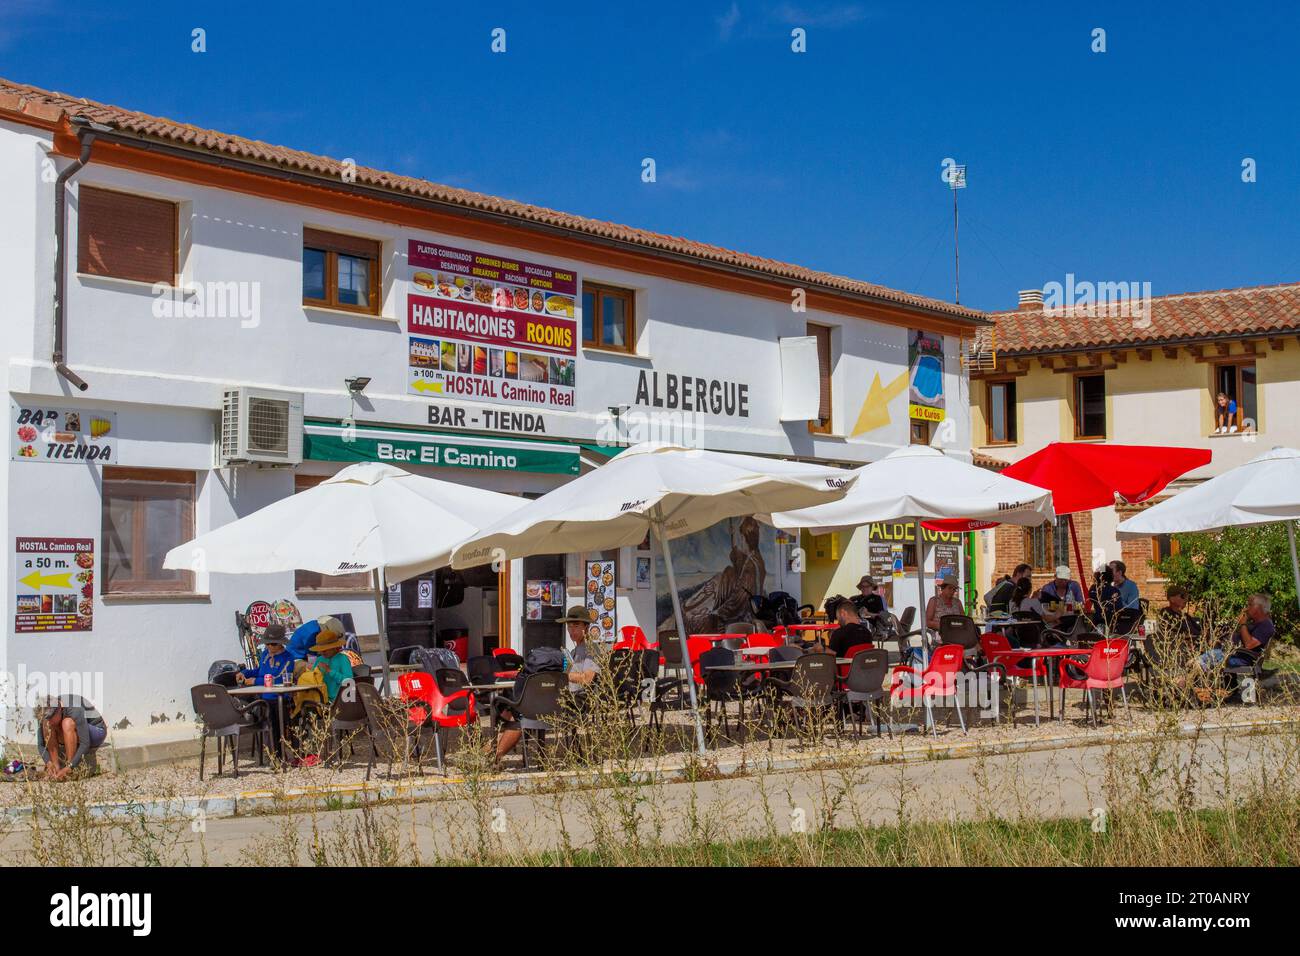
441	702
1104	670
850	653
695	646
939	679
632	638
998	650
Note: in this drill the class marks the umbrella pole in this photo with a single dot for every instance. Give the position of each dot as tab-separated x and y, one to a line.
920	591
1295	565
1083	574
381	616
681	631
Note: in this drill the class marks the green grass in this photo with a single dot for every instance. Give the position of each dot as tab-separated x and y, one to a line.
1245	836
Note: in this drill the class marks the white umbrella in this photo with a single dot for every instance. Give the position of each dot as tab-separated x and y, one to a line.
368	517
673	490
920	483
1262	491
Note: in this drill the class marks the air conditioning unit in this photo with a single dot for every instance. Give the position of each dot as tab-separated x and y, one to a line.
259	426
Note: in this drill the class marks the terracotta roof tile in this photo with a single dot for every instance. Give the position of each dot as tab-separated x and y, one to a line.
43	104
1255	310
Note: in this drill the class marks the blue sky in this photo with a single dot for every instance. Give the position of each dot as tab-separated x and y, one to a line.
1116	166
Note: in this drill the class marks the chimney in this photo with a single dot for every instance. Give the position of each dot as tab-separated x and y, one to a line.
1031	300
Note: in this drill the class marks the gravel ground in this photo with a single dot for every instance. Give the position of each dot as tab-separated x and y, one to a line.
181	779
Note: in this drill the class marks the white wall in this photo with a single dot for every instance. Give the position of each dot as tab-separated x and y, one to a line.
164	377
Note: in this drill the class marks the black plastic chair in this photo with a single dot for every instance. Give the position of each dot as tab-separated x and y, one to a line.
723	687
482	669
347	716
865	684
386	721
670	649
537	706
810	687
961	630
226	720
625	672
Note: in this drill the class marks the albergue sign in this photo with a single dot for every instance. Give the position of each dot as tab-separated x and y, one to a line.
693	393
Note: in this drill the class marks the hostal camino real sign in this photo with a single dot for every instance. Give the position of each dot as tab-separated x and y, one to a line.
485	327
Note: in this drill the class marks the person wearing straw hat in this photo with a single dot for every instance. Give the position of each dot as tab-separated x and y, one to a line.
333	666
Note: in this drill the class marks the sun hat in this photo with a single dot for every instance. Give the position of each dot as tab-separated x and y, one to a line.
867	579
1062	572
273	634
950	579
331	635
576	614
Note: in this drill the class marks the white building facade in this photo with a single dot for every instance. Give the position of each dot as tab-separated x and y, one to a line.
463	338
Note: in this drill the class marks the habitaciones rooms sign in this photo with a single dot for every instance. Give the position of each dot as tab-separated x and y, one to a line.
485	327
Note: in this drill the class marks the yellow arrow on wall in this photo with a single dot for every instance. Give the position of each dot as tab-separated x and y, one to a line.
420	385
875	409
36	580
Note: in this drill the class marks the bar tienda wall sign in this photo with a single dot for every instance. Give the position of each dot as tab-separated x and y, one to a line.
64	435
481	326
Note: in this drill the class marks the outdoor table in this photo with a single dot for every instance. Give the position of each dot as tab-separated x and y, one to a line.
279	690
490	690
1046	652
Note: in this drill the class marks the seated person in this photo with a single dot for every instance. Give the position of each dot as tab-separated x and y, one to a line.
1025	599
68	732
1254	631
867	600
1173	616
1103	595
998	599
582	671
945	602
850	631
331	664
274	662
1060	597
1126	596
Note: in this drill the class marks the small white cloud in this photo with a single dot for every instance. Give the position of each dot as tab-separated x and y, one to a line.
727	22
833	17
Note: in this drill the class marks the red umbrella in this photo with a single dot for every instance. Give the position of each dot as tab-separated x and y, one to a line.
1085	476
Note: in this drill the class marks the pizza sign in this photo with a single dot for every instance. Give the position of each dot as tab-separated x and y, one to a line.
258	617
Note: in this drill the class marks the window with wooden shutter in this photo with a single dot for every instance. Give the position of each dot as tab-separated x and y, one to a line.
822	333
125	236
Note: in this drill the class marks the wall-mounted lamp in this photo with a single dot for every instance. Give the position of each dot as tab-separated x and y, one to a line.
357	385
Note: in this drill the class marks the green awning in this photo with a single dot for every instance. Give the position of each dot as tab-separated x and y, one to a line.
335	441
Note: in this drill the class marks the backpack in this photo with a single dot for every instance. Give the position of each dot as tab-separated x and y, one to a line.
433	659
541	660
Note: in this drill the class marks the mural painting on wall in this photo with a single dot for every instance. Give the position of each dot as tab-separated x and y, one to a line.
718	570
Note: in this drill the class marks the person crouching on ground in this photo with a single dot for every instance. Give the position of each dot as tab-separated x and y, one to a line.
68	732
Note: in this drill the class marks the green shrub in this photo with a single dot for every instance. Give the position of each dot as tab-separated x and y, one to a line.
1222	569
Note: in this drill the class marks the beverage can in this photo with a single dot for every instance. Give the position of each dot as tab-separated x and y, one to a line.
267	680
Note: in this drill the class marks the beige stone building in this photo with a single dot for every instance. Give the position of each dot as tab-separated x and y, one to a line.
1141	373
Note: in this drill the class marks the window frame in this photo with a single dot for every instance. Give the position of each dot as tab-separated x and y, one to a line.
1242	362
1076	406
165	477
1049	530
84	268
333	245
628	297
913	423
1009	413
327	584
1155	549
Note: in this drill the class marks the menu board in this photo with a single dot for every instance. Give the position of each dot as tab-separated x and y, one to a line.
489	328
946	557
54	584
880	561
67	435
601	603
